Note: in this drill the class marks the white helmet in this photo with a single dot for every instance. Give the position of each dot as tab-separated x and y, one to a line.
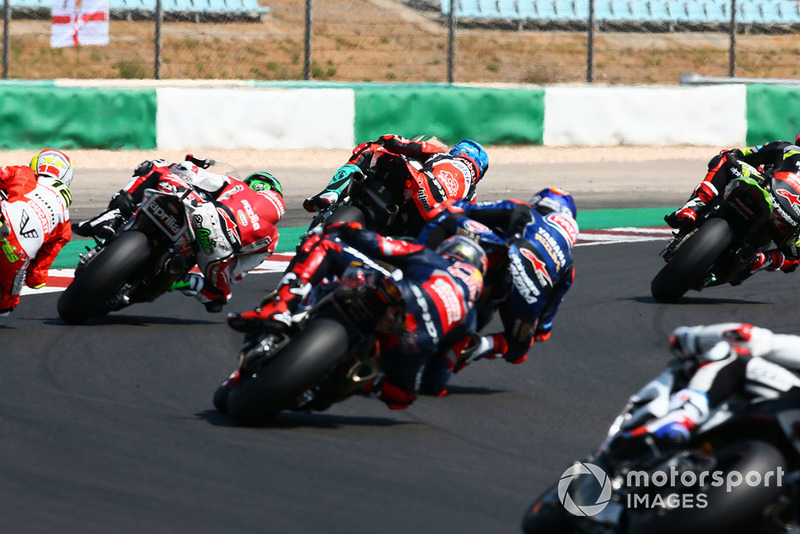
53	164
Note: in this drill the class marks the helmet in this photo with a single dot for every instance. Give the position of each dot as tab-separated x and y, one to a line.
474	152
372	297
460	248
263	181
52	164
552	199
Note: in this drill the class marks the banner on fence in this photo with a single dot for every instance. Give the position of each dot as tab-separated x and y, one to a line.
79	22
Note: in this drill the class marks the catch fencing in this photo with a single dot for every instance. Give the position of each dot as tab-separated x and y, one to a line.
416	41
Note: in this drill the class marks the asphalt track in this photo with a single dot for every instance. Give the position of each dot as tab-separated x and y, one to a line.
110	427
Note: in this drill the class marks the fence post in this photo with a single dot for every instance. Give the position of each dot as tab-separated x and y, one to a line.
159	16
590	45
6	16
451	41
732	53
307	43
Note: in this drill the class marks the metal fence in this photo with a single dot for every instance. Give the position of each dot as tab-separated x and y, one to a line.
478	41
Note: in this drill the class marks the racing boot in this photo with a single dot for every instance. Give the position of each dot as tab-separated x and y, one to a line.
773	260
687	215
275	311
190	285
330	195
104	226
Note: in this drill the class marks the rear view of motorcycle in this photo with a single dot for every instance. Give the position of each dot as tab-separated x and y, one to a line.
738	473
326	356
146	256
721	246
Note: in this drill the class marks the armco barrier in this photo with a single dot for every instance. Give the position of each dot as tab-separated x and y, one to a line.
157	115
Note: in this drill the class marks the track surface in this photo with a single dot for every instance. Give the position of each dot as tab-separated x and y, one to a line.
110	427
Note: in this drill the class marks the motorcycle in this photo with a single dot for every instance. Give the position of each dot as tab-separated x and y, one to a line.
379	201
738	473
149	253
721	246
327	355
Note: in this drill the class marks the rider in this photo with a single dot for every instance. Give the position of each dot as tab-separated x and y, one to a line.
34	222
783	160
720	360
432	298
234	220
529	247
426	169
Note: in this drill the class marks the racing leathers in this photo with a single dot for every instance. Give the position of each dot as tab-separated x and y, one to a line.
782	159
530	270
436	297
34	227
723	359
422	176
234	225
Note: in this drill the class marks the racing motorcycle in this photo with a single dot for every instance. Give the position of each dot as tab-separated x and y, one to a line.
380	202
149	253
721	246
694	488
327	355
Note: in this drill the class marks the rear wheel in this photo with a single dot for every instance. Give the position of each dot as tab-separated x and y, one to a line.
94	285
258	397
691	262
345	214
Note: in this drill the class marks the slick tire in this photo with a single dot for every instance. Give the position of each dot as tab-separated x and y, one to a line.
259	397
88	294
546	515
735	511
691	262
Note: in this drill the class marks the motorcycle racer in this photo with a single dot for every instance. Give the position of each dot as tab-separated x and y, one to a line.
425	170
779	157
529	246
234	220
425	310
720	360
34	222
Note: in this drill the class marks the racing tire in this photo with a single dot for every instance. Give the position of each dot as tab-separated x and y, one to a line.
692	260
547	514
88	294
346	214
258	397
739	510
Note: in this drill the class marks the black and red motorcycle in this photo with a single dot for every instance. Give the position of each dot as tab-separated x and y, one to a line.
720	247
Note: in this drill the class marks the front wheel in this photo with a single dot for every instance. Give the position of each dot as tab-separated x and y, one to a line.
88	294
730	500
258	397
547	514
692	261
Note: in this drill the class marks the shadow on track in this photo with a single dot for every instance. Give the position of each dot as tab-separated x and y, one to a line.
309	420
